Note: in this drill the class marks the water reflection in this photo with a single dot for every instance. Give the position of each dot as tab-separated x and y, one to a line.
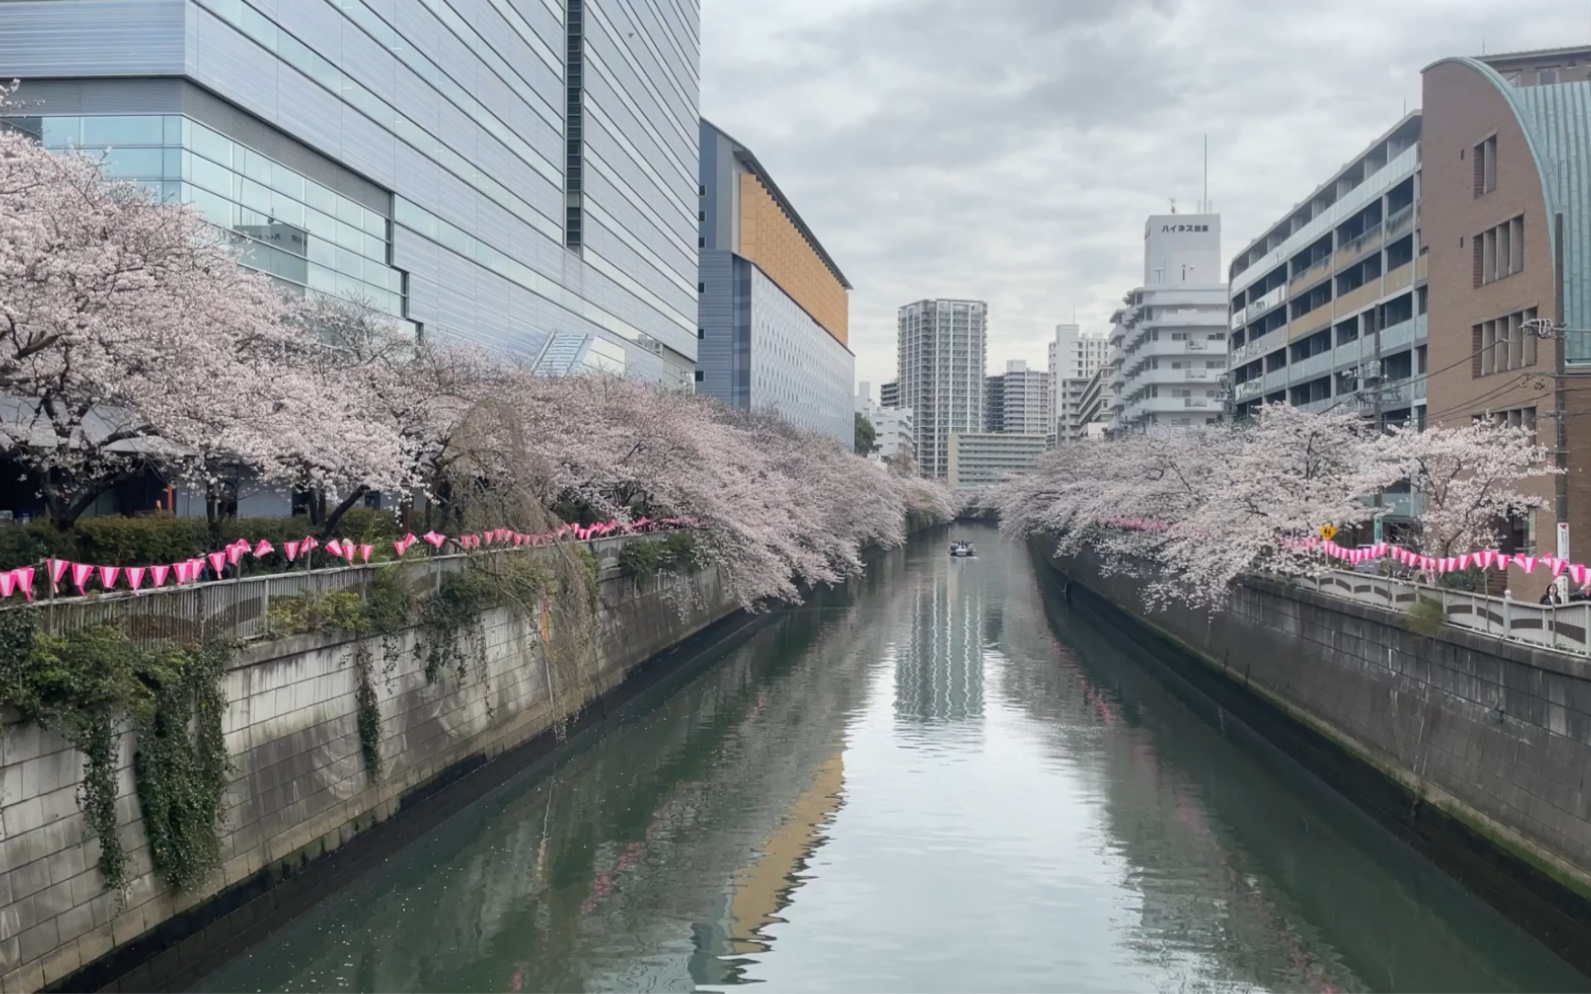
939	658
939	779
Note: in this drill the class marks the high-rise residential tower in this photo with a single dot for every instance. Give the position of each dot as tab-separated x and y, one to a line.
774	309
518	175
1018	401
1168	344
942	350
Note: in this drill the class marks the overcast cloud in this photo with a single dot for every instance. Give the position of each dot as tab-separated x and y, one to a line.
1009	150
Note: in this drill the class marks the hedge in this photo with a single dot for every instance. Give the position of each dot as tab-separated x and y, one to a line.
161	538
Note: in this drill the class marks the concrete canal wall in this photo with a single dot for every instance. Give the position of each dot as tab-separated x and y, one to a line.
1474	749
299	790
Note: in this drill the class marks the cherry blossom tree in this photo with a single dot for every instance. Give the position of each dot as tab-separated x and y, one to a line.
112	307
1193	510
1469	478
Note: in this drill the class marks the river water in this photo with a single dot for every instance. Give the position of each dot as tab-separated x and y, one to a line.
940	779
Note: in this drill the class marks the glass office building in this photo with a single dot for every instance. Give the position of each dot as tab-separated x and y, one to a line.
517	173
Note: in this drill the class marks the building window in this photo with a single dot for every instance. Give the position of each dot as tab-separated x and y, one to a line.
1501	345
698	376
1499	251
1486	166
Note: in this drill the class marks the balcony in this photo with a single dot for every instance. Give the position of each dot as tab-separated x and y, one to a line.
1315	365
1358	246
1261	305
1349	354
1275	380
1237	318
1395	337
1419	267
1248	390
1309	276
1311	321
1399	278
1400	220
1176	377
1358	298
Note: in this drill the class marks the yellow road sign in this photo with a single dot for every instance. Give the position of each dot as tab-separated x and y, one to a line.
1328	532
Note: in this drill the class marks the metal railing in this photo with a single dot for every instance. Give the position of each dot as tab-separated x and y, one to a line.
1564	627
240	609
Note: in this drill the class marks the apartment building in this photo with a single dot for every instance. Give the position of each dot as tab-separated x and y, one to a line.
1018	401
515	175
1328	306
1168	340
1092	410
892	427
774	308
889	394
1506	208
979	460
942	351
1074	359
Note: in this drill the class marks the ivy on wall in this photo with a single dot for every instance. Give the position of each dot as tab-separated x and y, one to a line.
86	684
678	552
93	683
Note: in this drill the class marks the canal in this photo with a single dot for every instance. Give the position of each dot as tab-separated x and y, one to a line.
939	779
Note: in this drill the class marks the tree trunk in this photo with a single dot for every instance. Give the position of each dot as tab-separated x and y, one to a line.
212	513
64	513
336	516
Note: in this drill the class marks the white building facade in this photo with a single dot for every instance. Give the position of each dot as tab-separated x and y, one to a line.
1074	359
1168	344
1019	401
942	352
979	460
892	426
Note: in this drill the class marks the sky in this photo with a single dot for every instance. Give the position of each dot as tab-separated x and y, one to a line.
1010	150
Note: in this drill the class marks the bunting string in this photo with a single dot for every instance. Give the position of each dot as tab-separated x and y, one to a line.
1485	559
213	565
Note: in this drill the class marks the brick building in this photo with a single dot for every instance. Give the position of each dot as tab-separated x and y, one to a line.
1506	166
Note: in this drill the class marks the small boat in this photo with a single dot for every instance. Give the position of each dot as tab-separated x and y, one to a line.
961	549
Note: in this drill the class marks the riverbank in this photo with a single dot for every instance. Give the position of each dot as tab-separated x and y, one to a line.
301	795
1468	749
826	801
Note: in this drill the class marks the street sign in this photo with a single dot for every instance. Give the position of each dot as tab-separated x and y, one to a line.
1328	532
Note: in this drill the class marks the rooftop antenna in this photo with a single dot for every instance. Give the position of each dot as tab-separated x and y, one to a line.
1173	205
1204	207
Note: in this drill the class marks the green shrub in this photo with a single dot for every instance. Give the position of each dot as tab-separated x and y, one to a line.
641	558
337	611
677	552
118	541
82	684
1426	616
461	596
683	553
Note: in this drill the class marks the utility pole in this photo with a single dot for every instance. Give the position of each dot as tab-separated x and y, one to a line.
1560	347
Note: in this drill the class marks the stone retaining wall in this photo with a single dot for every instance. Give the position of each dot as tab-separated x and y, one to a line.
299	787
1474	749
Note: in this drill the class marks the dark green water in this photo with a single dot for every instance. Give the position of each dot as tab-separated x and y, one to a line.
938	780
